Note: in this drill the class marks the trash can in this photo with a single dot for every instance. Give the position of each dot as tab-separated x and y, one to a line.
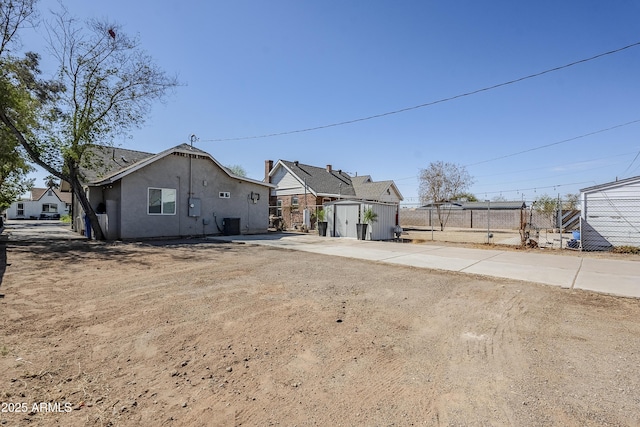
87	227
576	235
231	226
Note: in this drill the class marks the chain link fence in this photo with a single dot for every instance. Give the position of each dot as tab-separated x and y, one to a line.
599	222
610	221
546	223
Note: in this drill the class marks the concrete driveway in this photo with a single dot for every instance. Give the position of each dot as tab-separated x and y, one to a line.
610	276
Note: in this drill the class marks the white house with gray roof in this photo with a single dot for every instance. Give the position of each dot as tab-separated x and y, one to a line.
299	186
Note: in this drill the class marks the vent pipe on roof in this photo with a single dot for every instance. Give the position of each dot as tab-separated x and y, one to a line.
296	162
329	168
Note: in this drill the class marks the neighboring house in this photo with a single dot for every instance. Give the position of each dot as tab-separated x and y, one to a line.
466	206
611	215
182	191
44	203
299	187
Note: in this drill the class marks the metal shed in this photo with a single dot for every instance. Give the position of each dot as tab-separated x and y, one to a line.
611	215
342	217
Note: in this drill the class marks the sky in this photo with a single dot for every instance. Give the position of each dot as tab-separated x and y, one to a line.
253	68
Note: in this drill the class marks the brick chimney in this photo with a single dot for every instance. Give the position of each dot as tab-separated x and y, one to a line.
268	165
329	168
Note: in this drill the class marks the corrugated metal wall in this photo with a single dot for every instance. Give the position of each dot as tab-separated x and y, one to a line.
381	229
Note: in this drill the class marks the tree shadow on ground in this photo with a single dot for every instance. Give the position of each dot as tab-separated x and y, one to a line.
76	251
3	258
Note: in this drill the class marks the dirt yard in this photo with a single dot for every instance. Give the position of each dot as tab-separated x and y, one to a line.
207	334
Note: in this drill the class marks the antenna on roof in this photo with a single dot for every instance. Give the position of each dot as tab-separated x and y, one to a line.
193	138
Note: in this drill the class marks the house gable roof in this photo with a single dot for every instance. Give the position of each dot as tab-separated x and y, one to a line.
334	183
367	189
613	184
185	149
38	193
318	180
102	161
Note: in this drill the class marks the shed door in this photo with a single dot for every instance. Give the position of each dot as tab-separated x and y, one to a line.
346	220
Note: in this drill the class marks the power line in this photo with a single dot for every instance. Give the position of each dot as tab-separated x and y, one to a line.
428	104
556	143
519	171
631	164
519	190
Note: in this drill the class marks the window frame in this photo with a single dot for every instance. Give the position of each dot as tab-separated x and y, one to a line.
48	208
163	193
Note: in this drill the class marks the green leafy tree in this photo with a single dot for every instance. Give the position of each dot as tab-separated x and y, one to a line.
105	86
14	166
469	197
50	181
13	171
237	170
439	183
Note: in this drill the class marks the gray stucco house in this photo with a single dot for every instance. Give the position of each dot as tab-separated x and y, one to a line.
182	191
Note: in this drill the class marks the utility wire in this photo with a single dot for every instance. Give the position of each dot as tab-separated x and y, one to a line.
556	143
631	164
428	104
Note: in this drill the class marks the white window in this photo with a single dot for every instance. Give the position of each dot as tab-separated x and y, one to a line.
279	208
20	209
224	195
162	201
294	201
49	207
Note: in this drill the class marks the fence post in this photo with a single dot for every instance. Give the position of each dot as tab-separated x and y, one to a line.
559	221
488	221
431	223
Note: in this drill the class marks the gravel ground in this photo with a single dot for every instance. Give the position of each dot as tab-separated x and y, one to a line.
191	333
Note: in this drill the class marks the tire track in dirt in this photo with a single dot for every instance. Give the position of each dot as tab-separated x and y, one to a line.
481	345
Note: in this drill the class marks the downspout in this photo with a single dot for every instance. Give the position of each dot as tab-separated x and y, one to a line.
178	206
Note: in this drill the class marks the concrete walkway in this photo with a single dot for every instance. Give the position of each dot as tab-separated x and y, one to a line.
616	277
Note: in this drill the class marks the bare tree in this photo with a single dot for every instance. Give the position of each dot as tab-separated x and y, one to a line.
547	207
111	84
571	201
440	182
14	14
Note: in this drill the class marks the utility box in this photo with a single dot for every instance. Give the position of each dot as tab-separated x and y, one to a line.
194	206
231	226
